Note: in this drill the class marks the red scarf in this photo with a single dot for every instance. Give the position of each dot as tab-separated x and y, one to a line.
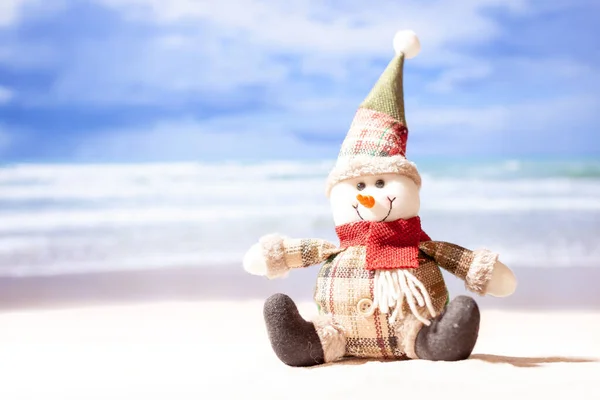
389	245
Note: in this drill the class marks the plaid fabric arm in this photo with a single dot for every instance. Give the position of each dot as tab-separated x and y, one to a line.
474	267
282	253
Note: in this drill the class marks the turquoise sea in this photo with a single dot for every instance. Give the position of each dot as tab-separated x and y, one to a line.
64	218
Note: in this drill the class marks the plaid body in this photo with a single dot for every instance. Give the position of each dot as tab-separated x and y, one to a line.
343	282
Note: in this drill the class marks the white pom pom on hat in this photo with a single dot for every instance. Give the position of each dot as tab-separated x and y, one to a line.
407	42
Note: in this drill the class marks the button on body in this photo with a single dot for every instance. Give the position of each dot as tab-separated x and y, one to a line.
365	307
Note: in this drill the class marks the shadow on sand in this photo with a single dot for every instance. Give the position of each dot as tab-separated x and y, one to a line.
521	362
528	362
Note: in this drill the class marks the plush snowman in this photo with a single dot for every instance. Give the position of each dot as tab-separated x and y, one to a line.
380	292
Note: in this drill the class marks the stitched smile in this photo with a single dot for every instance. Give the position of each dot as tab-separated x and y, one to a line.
388	214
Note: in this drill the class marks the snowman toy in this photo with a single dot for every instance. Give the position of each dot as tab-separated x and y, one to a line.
380	292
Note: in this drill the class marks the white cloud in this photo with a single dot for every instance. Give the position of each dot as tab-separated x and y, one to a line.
534	116
454	76
559	116
160	70
200	46
197	47
189	139
467	119
5	95
9	11
5	140
531	124
316	27
557	70
13	11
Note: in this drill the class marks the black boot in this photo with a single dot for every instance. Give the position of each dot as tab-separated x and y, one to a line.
451	335
294	340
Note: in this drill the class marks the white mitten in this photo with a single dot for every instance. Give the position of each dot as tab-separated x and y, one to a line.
254	261
503	282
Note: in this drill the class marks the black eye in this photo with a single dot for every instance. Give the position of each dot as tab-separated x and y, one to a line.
361	185
380	183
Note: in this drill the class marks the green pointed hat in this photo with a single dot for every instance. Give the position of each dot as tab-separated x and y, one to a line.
376	141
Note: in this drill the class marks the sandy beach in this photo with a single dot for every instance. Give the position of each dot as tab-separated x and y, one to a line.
219	350
199	334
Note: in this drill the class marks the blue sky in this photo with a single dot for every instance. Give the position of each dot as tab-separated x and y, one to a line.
154	80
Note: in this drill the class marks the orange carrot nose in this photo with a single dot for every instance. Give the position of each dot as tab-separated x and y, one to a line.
366	201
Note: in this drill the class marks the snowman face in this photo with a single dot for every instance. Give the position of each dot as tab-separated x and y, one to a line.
380	198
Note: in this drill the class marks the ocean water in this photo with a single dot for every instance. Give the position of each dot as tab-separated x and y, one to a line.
87	218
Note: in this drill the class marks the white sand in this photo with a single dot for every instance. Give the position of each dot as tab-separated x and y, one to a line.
220	351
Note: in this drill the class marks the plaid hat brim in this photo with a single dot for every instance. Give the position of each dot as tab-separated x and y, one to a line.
355	167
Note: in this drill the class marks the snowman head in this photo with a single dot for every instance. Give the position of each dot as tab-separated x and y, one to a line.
377	198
